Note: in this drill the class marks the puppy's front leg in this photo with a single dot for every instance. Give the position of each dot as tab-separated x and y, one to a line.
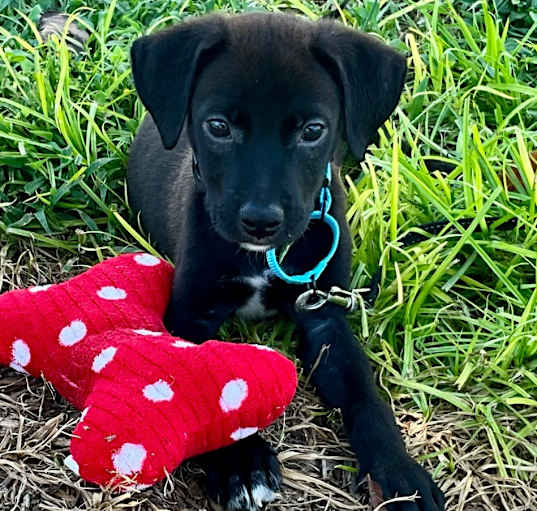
202	299
246	475
343	376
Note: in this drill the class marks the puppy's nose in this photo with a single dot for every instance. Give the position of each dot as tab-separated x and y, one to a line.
260	222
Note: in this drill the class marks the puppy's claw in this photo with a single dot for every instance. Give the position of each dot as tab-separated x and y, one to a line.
261	490
376	498
263	495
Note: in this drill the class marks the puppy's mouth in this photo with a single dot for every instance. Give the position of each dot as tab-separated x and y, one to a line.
261	245
232	233
255	247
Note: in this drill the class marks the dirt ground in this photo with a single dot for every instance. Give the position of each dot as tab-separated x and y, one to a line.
35	426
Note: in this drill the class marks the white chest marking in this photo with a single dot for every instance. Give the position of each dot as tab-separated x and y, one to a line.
254	308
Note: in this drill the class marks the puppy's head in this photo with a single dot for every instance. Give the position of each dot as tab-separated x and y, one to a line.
265	99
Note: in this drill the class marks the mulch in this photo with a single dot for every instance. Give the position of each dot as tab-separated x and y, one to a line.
318	465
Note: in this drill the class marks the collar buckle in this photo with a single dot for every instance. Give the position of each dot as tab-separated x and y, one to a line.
325	202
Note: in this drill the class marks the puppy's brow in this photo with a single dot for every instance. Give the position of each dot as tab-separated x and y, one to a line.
239	117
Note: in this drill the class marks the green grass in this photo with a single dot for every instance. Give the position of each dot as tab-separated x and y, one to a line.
455	324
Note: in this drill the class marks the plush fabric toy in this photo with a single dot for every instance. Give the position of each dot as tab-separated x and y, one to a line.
149	400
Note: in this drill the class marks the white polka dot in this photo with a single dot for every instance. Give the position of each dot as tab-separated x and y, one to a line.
18	368
183	344
71	464
103	358
262	348
37	289
233	394
143	331
241	433
111	293
84	413
158	391
146	259
129	458
73	333
20	353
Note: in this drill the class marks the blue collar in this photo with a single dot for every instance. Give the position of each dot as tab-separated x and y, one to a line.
311	276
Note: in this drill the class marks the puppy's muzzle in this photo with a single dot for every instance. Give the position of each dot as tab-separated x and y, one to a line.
260	222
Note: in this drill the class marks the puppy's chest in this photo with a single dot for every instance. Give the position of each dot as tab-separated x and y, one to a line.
255	306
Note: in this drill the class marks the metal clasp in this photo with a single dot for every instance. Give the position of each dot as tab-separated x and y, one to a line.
313	299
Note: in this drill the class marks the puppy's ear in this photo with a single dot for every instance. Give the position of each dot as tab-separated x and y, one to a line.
370	74
164	67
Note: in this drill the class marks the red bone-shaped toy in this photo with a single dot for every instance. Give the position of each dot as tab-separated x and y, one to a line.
149	400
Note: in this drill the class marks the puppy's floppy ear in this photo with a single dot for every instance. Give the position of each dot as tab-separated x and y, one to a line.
164	67
370	74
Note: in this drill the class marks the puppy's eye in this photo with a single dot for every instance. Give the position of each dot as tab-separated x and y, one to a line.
219	128
312	132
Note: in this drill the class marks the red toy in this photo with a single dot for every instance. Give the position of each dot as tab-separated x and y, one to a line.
149	400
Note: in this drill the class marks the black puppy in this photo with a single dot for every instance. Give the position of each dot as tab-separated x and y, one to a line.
246	113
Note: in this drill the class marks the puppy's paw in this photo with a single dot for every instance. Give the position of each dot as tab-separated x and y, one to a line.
56	23
400	476
243	477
